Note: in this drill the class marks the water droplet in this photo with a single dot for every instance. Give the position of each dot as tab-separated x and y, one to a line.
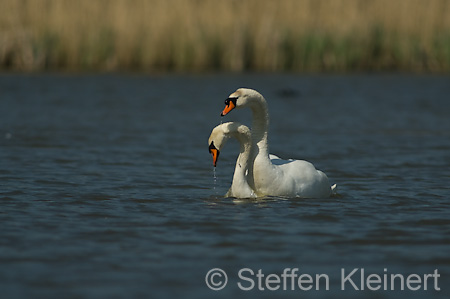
215	180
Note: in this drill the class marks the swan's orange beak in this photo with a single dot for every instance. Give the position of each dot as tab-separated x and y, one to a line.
230	104
227	109
214	152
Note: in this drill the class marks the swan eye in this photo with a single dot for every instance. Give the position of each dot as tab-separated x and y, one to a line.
211	147
232	100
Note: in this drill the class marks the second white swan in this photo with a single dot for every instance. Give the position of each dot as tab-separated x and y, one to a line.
219	135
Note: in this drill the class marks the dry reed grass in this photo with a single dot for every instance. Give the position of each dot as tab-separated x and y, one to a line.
197	35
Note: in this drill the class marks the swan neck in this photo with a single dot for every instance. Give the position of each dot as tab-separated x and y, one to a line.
240	177
260	126
242	161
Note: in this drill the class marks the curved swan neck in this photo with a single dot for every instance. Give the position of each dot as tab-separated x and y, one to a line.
240	186
244	155
260	124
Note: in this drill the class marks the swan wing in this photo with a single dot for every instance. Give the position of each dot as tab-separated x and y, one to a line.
300	179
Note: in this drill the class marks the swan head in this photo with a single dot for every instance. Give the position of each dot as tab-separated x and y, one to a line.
240	98
222	133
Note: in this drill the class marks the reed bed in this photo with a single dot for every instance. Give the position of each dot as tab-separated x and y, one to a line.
226	35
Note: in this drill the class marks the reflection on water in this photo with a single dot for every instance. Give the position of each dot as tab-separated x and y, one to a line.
107	187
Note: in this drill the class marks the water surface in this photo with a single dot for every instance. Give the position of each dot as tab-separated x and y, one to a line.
107	188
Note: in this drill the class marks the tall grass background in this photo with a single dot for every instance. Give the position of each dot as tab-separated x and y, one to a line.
225	35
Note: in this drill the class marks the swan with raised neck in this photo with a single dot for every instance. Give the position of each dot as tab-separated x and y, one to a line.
277	177
219	136
245	97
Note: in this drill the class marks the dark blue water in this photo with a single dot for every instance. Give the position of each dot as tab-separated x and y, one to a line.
107	188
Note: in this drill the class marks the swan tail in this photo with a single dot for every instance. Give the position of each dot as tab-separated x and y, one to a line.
334	189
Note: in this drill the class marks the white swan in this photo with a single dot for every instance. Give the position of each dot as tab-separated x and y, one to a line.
290	178
219	135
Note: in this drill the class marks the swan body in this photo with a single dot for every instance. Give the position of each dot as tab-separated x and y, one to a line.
275	177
